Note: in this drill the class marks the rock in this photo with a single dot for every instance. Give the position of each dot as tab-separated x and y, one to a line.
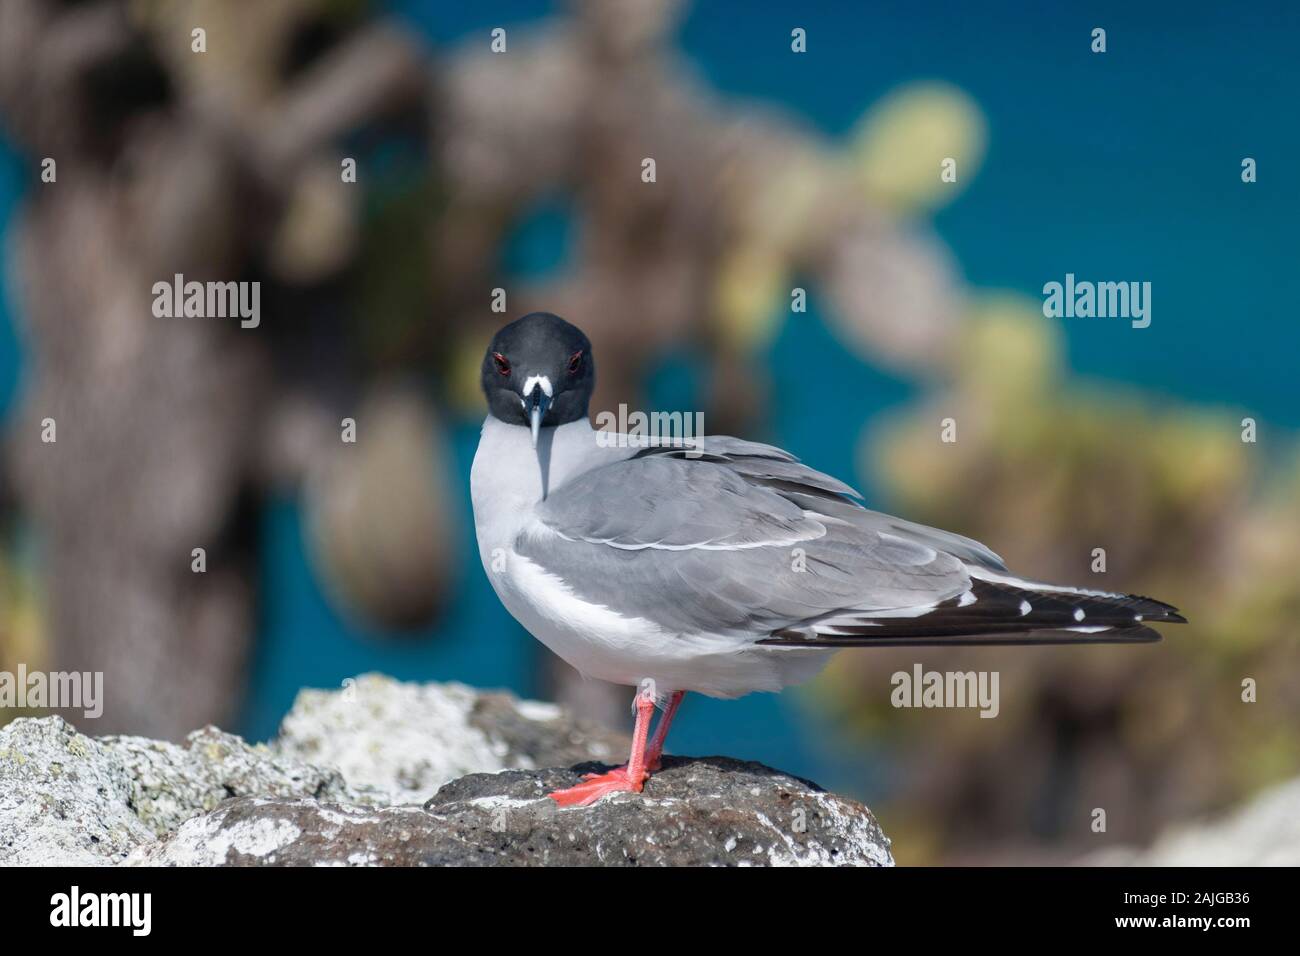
389	773
70	799
64	799
169	784
695	812
404	741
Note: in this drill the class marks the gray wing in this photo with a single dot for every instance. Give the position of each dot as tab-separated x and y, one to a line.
746	539
775	468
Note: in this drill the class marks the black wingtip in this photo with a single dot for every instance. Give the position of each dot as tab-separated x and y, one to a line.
1130	634
1158	612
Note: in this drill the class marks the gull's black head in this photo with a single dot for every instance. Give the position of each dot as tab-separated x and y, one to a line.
538	372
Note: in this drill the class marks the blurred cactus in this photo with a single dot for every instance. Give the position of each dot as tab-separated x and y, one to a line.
21	624
905	137
1045	470
216	166
377	515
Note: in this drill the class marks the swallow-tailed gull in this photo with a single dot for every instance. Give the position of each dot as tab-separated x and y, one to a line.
723	568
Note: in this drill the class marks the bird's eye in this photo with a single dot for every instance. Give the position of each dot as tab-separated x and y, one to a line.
575	362
503	366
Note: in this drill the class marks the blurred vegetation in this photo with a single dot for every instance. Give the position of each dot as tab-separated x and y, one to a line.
1048	469
378	302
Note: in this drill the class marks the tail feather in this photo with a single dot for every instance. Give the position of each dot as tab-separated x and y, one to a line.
1003	611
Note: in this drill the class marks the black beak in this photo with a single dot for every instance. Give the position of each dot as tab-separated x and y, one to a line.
536	403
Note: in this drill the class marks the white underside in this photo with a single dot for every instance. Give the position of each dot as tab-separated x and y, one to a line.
606	645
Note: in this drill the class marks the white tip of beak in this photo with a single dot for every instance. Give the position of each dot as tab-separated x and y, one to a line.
535	421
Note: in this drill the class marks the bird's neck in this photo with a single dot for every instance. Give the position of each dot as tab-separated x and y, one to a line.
509	472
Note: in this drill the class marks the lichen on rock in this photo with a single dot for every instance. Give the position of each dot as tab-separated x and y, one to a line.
404	741
384	773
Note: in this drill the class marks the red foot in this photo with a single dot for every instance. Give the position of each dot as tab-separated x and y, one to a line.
597	786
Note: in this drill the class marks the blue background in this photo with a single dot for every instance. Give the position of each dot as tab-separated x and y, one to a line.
1118	166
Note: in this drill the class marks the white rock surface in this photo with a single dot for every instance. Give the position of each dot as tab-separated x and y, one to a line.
401	741
66	798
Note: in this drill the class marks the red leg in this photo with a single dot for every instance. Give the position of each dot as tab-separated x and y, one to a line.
627	778
656	751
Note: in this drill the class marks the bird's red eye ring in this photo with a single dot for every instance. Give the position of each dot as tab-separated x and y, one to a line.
575	362
503	366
